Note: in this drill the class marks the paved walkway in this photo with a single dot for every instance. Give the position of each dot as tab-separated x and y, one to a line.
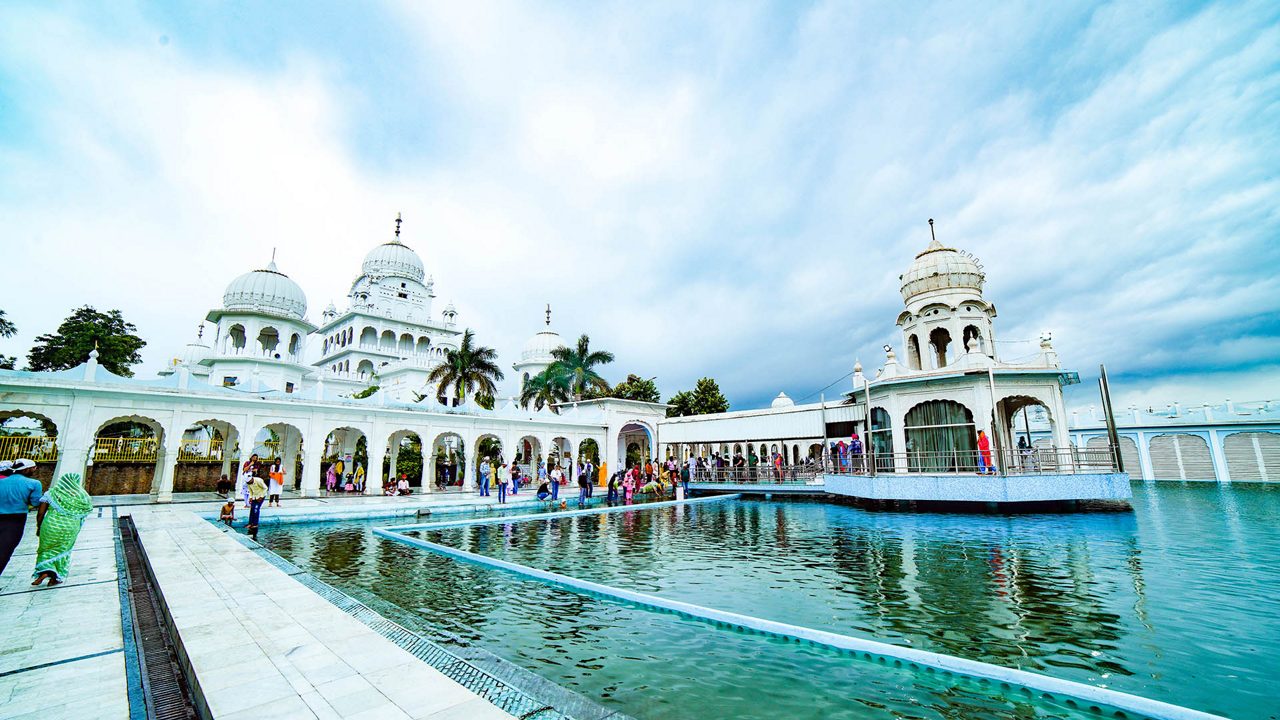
61	651
261	644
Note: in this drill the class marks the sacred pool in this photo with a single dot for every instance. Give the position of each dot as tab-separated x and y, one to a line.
1174	601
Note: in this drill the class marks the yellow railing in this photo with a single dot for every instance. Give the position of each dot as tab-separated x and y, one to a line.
125	450
40	448
198	451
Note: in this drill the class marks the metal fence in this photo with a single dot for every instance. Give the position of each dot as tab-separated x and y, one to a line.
128	450
41	448
803	474
1026	461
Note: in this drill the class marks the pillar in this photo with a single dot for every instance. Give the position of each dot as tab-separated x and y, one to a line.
429	478
289	441
166	465
393	474
1145	470
1218	456
377	450
312	455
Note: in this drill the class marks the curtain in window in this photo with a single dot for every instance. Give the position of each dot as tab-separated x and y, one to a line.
941	437
881	440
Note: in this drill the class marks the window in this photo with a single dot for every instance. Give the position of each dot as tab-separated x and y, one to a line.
288	387
403	296
403	285
230	381
940	437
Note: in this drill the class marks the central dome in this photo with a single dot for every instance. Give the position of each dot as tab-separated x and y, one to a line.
393	259
269	291
539	347
941	268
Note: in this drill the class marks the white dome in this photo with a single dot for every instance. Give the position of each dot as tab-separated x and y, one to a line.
269	291
393	259
195	352
941	268
539	347
782	401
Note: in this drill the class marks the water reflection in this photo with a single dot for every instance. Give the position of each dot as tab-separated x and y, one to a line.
1183	587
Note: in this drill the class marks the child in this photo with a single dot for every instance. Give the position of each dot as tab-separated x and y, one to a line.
350	486
228	512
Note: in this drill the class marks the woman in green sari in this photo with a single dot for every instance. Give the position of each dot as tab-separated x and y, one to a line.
63	509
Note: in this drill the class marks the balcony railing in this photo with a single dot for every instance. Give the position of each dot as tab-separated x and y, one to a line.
1028	461
803	474
127	450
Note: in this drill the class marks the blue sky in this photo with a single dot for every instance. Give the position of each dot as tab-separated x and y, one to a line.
707	189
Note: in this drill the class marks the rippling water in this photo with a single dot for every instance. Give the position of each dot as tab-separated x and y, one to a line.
1176	600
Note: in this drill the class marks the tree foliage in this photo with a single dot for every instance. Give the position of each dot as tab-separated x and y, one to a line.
75	338
576	367
633	388
704	399
7	330
543	390
469	368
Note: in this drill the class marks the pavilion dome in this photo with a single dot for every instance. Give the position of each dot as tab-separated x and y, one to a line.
538	348
941	268
195	352
782	401
393	259
269	291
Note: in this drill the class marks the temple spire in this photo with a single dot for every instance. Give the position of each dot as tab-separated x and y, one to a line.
398	221
548	314
932	234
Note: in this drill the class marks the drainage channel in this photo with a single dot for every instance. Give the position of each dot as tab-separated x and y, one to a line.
164	687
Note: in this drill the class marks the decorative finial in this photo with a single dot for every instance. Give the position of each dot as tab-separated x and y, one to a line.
200	331
548	314
932	234
398	221
273	255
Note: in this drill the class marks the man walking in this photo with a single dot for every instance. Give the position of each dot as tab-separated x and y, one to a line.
18	494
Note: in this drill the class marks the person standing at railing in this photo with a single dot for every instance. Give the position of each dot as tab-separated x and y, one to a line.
855	453
18	494
684	480
984	454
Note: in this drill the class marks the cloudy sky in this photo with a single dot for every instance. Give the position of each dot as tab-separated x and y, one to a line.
706	189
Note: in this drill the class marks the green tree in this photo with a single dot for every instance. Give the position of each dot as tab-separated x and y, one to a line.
470	367
7	330
76	337
704	399
543	390
635	388
576	368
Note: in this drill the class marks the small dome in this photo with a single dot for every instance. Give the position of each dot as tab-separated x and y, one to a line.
269	291
393	259
539	347
195	352
940	268
782	401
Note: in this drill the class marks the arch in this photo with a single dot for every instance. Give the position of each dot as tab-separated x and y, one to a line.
529	450
939	339
369	336
940	437
448	467
326	346
403	456
365	368
424	345
880	441
387	341
913	351
127	456
1181	456
32	435
295	345
488	448
406	344
560	453
1128	452
639	434
347	447
971	332
590	450
268	340
1253	455
236	339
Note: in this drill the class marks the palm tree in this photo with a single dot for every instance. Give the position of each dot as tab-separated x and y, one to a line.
575	367
470	367
544	390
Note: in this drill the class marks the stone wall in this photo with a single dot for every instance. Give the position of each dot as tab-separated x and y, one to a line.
196	477
106	478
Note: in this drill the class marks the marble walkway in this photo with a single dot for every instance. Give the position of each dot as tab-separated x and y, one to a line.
260	644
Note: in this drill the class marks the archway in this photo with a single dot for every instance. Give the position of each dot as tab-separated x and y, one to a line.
941	437
448	468
1253	455
560	455
880	442
488	449
939	339
1022	413
26	434
913	352
589	449
972	333
403	459
635	443
127	456
284	441
529	455
1181	456
268	341
207	451
346	450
